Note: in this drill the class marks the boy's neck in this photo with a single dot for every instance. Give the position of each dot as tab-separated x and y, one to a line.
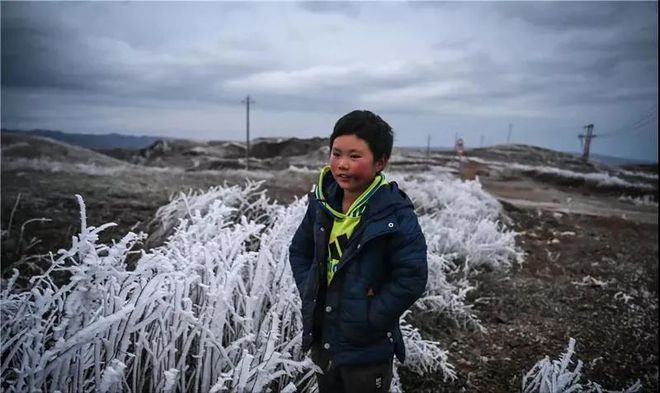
348	199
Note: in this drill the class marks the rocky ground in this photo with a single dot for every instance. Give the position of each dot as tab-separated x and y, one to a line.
590	271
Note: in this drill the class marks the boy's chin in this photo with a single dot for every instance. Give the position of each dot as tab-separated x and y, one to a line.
351	188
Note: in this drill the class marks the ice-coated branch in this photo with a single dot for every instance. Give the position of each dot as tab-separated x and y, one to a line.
564	375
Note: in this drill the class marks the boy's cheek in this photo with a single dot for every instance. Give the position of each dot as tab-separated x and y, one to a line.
333	165
361	171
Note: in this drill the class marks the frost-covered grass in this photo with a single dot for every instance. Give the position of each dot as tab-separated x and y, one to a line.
247	200
643	175
463	234
598	179
564	375
215	307
646	200
94	169
40	164
293	168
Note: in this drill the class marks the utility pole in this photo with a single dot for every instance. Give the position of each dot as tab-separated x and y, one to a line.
508	136
428	146
587	140
247	101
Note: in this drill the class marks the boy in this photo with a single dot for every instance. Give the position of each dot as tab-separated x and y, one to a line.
359	261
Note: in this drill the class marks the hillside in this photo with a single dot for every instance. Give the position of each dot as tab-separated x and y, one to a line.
25	147
93	141
265	153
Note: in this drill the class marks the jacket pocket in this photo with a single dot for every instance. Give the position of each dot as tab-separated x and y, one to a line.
376	330
356	327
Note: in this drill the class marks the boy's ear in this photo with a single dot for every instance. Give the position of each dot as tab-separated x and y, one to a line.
381	163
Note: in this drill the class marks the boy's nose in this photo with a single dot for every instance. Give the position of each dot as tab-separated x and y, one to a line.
343	163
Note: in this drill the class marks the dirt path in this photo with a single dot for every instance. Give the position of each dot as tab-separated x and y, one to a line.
529	194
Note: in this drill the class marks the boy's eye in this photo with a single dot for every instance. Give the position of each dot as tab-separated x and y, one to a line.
355	156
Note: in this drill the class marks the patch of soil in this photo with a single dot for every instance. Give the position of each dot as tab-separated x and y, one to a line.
533	310
129	200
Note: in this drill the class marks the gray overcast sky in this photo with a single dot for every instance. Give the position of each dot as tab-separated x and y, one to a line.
180	69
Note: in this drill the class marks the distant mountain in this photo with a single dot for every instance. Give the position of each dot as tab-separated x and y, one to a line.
17	146
94	141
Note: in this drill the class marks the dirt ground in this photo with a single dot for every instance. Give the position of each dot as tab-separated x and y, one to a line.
130	200
533	312
587	274
590	273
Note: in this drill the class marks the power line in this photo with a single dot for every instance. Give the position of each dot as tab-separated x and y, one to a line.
644	120
428	146
636	126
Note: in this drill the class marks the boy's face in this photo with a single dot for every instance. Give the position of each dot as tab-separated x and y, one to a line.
352	163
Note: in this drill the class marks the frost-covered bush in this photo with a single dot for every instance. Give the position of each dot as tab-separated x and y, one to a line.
249	201
460	220
561	376
215	307
200	313
75	336
463	234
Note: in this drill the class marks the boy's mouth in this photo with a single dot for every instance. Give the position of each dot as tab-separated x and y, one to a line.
343	178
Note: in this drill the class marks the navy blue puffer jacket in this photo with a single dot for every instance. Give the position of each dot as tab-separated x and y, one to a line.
382	272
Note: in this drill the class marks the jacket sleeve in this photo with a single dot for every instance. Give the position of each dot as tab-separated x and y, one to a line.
409	273
301	250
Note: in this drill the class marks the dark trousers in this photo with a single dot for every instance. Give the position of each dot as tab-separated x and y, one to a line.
375	378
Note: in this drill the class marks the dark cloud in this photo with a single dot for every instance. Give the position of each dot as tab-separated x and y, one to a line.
37	55
74	63
636	45
564	15
33	57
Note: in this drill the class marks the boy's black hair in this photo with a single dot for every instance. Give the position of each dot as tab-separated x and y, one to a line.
368	126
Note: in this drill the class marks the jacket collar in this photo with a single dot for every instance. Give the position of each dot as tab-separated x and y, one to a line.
387	199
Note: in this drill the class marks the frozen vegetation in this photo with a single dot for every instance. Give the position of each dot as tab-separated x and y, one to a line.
599	179
645	200
643	175
214	306
563	375
117	168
